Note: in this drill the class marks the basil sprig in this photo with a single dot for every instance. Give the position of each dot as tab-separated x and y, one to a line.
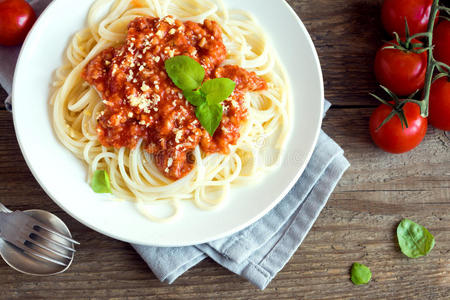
100	182
187	74
414	239
361	274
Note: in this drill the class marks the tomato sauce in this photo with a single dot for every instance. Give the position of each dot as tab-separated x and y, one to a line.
141	102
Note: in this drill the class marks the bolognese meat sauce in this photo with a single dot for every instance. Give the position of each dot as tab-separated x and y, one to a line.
141	102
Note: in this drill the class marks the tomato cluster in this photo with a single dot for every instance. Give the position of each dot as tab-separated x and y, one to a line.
16	19
402	67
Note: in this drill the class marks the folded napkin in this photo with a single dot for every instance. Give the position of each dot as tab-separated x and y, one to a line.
260	251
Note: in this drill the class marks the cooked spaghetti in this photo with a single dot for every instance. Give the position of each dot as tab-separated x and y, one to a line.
116	109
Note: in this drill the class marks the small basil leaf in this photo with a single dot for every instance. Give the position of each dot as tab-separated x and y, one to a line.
414	239
360	274
185	72
209	116
217	90
100	182
194	97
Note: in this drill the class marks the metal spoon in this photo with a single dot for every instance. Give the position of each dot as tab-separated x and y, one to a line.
26	264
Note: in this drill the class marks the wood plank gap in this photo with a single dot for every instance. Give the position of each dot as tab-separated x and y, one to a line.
352	106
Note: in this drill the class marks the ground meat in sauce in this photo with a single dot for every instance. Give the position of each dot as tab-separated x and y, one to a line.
141	102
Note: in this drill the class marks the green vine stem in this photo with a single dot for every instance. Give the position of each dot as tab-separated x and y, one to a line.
432	65
424	104
442	67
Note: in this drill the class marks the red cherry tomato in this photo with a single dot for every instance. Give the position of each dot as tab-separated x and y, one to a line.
442	42
391	137
401	72
16	19
416	12
439	114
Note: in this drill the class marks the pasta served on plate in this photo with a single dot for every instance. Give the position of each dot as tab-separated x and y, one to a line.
119	109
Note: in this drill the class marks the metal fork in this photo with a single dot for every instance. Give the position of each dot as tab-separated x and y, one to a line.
29	234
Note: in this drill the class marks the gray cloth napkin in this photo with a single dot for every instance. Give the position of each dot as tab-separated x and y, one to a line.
260	251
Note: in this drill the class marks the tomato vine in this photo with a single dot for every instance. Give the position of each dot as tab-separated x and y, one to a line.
432	65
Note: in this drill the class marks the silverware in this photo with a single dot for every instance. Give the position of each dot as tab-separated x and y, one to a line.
35	242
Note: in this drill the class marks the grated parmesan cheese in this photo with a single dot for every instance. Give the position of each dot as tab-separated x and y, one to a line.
141	102
178	136
202	42
160	34
144	87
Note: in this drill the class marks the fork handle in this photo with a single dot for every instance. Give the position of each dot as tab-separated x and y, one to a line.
4	209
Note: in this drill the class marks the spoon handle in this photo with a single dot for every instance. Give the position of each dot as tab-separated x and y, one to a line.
4	209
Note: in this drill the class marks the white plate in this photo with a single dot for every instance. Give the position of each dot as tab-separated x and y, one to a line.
63	176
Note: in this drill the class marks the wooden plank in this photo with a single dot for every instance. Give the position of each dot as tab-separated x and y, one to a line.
358	224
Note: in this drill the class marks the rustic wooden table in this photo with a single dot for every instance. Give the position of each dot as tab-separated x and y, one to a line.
358	224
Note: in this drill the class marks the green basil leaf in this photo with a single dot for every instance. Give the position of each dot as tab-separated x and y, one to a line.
217	90
185	72
209	116
100	182
194	97
360	274
414	239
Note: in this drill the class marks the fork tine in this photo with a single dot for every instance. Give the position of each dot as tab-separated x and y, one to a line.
40	245
57	233
33	252
37	233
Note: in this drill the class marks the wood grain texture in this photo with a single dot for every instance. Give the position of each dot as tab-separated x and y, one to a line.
358	223
346	35
3	96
